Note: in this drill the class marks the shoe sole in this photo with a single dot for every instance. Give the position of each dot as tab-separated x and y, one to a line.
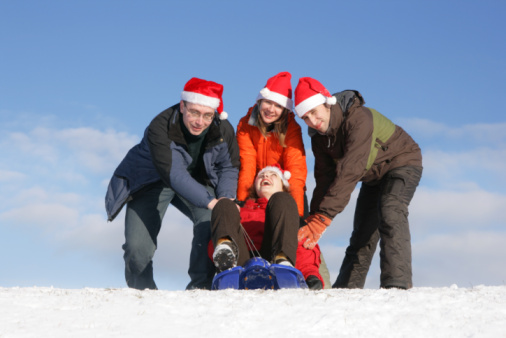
224	260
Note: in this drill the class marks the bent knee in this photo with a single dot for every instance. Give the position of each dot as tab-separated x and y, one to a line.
282	197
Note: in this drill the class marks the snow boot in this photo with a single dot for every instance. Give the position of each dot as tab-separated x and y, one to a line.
281	259
225	256
314	283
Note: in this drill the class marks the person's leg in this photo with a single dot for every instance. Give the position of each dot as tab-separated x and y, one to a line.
226	223
281	226
398	189
201	269
363	241
143	220
323	270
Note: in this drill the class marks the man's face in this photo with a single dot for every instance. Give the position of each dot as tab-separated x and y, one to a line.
270	111
196	117
267	184
318	118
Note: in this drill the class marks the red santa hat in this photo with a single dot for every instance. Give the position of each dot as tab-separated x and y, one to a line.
283	174
206	93
278	89
309	94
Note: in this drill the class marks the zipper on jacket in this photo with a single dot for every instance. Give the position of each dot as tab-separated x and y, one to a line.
330	143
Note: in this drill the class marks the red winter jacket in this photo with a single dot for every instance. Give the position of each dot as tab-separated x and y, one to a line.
253	219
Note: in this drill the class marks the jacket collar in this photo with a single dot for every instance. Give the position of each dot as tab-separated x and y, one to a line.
255	204
176	134
254	116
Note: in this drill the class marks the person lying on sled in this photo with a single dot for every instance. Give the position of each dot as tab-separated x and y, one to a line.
270	222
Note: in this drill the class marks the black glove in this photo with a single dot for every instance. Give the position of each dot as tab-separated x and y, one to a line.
314	283
239	203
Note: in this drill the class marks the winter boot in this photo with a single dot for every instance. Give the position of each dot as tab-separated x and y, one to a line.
281	259
225	256
314	283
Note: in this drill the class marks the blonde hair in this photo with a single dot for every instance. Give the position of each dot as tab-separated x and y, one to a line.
279	127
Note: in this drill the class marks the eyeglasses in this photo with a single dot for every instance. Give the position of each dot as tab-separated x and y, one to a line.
195	115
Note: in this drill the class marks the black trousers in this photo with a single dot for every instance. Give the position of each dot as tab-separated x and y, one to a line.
280	232
382	215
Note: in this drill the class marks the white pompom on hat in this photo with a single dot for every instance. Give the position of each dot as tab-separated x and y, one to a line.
278	89
283	174
310	93
205	93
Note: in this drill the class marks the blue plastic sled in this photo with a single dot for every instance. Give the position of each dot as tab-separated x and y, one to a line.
257	273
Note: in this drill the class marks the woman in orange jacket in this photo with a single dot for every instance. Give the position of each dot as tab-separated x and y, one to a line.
269	134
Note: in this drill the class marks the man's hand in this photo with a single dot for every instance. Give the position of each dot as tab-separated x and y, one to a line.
311	233
211	204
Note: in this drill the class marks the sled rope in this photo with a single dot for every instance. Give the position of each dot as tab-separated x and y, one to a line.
249	242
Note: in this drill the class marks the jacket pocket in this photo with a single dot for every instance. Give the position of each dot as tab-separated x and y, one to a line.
395	184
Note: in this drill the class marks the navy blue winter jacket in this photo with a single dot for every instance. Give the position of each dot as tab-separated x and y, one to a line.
162	155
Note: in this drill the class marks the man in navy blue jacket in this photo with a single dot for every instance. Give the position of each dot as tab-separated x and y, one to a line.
189	158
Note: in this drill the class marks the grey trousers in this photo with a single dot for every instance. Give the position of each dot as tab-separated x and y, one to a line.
382	215
143	221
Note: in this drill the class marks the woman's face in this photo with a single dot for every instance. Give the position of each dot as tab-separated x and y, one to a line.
270	111
267	184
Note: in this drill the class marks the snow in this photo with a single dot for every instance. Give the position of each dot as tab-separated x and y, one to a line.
420	312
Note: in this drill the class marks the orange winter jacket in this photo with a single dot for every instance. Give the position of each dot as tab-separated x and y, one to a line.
257	152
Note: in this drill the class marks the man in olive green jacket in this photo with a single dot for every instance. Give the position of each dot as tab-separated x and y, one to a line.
353	143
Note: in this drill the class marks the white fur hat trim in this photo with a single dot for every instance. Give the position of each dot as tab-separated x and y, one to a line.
284	176
282	100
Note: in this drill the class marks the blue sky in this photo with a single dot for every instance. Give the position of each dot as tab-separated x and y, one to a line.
80	81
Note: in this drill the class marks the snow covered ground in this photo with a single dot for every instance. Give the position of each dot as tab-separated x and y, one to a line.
420	312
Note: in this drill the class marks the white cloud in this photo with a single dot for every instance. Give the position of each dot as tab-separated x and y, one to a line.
434	211
452	168
92	233
471	134
46	216
10	176
468	258
83	149
98	151
21	144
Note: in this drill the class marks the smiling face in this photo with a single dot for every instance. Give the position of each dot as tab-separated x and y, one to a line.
318	118
196	117
267	184
270	111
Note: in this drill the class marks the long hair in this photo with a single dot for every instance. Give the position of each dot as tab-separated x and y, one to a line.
278	127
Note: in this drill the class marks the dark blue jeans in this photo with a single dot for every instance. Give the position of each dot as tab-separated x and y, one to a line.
143	220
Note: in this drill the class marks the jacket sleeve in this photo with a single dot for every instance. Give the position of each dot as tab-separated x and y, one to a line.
352	166
227	163
171	163
248	155
294	160
324	172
